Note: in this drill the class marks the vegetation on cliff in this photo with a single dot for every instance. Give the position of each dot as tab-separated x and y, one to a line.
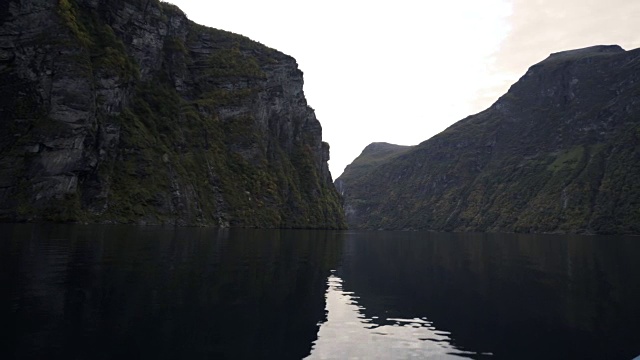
134	114
558	153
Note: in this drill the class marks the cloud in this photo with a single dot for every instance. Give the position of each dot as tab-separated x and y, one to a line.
541	27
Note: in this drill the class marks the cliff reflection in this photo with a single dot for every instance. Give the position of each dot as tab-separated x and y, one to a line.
511	296
116	292
349	334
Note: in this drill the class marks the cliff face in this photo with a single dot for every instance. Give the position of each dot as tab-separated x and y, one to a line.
560	152
125	111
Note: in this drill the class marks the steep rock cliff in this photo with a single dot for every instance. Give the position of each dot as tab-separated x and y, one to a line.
559	152
125	111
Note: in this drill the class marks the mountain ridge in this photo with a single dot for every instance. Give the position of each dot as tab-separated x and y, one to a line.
556	154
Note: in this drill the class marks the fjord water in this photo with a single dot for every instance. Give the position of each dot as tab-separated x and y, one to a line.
102	292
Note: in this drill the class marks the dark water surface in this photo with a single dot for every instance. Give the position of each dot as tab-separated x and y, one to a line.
105	292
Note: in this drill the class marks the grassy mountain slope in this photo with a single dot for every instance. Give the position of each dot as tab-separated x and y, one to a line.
559	152
368	161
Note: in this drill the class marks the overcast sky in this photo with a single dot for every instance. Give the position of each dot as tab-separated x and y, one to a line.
402	71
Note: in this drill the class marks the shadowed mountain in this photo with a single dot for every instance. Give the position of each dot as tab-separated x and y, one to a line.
369	160
128	112
559	152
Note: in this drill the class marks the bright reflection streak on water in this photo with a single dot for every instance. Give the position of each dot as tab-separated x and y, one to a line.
348	334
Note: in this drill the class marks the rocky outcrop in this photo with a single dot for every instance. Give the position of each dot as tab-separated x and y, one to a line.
559	152
127	112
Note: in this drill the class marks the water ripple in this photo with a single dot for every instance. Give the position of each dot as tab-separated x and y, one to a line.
349	334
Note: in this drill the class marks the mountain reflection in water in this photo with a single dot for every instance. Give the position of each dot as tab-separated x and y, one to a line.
349	334
498	296
120	292
115	292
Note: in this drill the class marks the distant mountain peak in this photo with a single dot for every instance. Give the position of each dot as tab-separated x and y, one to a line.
584	52
382	146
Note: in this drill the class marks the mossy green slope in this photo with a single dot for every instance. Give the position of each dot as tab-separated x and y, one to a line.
371	158
134	114
559	153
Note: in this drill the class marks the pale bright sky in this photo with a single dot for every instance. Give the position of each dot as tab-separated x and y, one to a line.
402	71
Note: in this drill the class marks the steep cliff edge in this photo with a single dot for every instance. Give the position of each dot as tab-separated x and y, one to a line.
559	152
126	112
